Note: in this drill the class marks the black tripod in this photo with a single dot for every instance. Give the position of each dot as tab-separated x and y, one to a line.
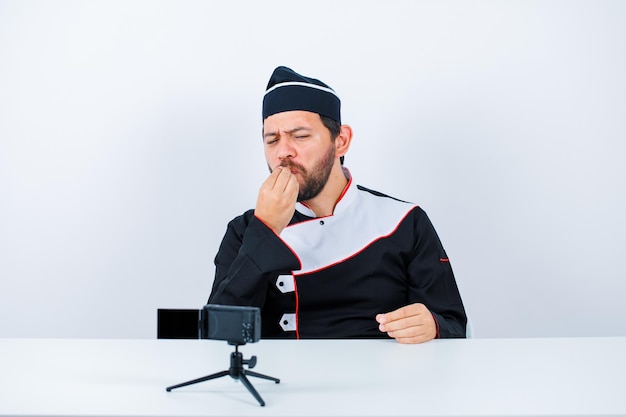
236	371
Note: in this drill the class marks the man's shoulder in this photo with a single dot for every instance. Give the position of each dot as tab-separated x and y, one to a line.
374	193
387	205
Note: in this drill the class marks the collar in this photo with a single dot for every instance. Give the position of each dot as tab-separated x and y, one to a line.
345	199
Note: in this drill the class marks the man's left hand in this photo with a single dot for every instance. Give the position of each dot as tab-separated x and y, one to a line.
409	324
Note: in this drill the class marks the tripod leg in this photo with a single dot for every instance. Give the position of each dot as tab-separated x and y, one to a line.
254	392
195	381
258	375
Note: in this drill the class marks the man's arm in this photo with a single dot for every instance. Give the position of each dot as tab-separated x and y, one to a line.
251	248
250	252
435	307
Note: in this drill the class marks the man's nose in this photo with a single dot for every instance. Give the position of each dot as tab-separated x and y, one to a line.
285	149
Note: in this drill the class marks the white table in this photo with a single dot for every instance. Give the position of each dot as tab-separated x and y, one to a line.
487	377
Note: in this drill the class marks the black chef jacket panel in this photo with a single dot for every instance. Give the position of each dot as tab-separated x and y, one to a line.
344	299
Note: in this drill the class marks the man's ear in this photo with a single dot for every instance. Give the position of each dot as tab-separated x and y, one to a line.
342	142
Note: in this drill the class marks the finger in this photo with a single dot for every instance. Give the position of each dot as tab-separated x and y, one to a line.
414	334
283	179
291	190
407	330
400	313
413	329
413	339
270	181
403	323
417	334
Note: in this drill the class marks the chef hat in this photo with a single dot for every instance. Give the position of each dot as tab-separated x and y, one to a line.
287	90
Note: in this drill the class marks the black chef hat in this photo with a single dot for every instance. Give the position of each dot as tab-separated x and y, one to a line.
287	90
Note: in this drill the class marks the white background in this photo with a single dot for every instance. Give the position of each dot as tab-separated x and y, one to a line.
130	136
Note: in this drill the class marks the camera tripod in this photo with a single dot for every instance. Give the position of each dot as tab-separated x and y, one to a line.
236	371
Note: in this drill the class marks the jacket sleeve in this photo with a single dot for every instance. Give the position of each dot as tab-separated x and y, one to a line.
432	282
249	254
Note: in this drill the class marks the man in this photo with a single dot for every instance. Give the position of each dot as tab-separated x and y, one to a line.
321	256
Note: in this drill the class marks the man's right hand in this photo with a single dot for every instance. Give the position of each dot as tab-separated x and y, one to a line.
277	199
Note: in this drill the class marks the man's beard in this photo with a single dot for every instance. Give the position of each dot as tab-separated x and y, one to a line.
314	181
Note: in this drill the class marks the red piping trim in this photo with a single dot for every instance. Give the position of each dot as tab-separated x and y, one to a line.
266	225
444	260
343	193
285	243
360	250
345	190
295	290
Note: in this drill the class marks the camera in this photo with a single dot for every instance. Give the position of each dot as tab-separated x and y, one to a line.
237	325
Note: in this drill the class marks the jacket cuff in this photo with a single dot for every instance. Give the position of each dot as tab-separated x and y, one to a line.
267	250
437	335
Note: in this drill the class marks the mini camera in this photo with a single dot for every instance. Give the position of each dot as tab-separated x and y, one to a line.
237	325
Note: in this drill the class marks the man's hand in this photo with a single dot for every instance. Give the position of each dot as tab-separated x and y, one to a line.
277	199
410	324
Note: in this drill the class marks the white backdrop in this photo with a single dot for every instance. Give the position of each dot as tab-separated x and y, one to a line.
130	136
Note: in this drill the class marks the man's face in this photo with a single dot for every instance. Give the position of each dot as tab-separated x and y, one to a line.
300	141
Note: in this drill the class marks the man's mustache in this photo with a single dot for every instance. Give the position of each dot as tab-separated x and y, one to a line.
288	163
